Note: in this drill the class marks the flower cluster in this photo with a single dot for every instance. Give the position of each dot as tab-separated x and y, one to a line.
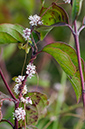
67	1
19	114
19	80
30	70
35	20
27	33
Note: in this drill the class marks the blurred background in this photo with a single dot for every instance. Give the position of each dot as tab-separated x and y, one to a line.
63	112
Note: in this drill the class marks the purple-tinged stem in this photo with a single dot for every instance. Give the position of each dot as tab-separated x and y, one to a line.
76	37
16	121
7	86
7	122
81	29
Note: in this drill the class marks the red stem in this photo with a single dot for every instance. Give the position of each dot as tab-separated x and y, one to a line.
7	86
16	121
76	37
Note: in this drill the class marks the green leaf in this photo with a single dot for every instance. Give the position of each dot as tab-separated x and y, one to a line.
55	15
35	37
66	56
37	109
31	115
11	33
76	8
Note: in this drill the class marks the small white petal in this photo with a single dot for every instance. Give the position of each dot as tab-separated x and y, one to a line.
67	1
31	69
19	114
35	20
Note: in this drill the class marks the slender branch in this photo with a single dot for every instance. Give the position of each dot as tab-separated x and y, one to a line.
7	86
7	122
76	37
70	28
81	29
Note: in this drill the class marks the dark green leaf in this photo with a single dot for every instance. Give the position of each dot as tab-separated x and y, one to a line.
10	33
36	37
55	15
76	8
66	56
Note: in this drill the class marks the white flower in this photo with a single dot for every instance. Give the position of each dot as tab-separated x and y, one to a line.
27	100
19	114
67	1
19	79
16	89
30	70
27	33
35	20
24	91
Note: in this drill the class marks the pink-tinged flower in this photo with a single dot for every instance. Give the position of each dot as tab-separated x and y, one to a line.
19	114
31	69
67	1
27	33
35	20
27	100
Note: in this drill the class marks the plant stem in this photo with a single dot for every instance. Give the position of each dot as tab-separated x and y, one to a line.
16	121
7	122
7	86
76	37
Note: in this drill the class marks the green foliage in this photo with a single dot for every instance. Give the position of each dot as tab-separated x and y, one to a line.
10	33
76	7
54	15
37	109
67	58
